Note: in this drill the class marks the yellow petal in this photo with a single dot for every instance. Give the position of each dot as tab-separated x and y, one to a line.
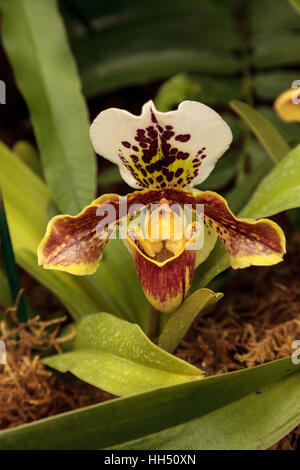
287	105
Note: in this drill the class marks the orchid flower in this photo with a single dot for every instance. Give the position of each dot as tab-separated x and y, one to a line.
164	155
287	105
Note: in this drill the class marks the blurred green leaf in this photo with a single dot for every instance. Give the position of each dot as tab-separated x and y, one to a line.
122	45
279	190
5	296
139	67
280	48
289	131
223	172
28	155
296	5
178	88
35	42
294	217
181	320
117	356
269	16
269	85
251	408
207	89
110	175
269	137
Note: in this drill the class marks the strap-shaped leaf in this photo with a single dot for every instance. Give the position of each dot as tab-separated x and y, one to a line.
117	356
269	137
252	423
35	42
279	190
203	405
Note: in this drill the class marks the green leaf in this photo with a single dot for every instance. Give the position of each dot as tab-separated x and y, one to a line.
117	356
110	175
204	88
261	164
265	15
254	422
268	136
296	5
117	277
180	321
72	291
288	130
139	67
132	45
276	49
28	155
196	404
223	172
5	296
279	190
268	85
35	42
178	88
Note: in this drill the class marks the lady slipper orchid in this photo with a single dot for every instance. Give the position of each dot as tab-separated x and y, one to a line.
164	155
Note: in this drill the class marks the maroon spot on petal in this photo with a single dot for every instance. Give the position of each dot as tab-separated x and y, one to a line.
180	181
135	148
203	156
169	174
126	144
153	117
152	132
183	155
159	178
169	127
183	137
169	160
144	172
179	172
134	158
168	134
